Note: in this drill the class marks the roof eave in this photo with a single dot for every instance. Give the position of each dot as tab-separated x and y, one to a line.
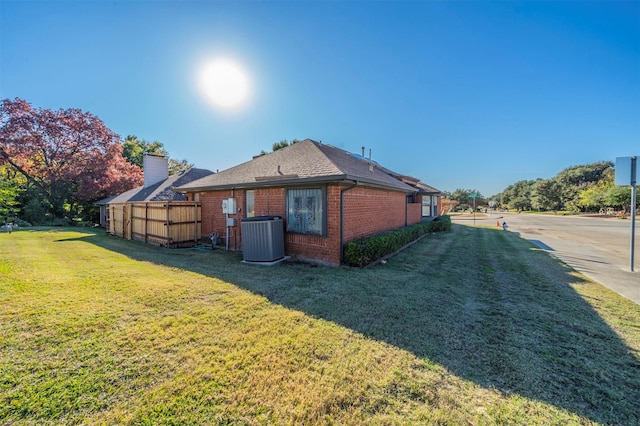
422	191
294	181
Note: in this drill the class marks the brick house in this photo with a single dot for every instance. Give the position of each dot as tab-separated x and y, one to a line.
326	196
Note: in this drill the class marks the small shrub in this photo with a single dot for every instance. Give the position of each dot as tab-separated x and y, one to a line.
35	212
21	223
361	252
56	221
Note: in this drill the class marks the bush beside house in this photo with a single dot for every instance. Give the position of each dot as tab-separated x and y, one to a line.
362	252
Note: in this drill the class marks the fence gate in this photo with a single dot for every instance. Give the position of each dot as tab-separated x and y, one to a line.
118	220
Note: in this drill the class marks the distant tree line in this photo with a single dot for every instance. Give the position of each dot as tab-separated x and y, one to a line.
54	165
584	188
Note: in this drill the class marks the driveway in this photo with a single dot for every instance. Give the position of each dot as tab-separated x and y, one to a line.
596	247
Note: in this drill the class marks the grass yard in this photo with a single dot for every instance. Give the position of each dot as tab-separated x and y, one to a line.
475	326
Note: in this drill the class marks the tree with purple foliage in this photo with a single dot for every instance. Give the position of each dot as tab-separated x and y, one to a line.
68	157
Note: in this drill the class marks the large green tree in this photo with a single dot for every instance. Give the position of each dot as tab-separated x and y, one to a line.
546	194
575	179
574	188
11	187
592	198
620	197
134	150
463	198
604	193
518	195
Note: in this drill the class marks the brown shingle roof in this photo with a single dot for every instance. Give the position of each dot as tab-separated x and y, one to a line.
426	189
306	161
161	191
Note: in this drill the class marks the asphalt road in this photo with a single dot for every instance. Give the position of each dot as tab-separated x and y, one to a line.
597	247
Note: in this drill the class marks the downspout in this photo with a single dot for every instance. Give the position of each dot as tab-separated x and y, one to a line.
342	191
195	223
406	210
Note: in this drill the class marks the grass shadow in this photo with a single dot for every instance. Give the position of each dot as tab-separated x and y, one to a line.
478	301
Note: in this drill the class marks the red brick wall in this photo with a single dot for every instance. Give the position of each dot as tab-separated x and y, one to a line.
269	202
213	220
367	211
414	213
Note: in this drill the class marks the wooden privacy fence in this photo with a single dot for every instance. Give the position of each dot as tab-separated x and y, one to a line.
166	223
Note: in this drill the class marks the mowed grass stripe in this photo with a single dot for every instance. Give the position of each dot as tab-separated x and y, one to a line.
469	327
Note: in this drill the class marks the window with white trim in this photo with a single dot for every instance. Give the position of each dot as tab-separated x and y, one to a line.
426	205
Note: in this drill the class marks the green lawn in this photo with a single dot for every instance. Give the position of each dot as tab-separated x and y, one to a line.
474	326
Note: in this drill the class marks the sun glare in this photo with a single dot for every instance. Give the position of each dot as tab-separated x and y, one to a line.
224	83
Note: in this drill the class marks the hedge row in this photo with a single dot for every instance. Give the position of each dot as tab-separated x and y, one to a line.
361	252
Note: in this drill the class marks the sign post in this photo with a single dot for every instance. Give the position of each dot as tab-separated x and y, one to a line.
634	167
474	196
626	174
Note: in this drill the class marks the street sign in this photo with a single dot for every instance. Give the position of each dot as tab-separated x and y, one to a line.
627	174
474	196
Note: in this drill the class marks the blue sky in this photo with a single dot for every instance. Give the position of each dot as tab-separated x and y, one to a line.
458	94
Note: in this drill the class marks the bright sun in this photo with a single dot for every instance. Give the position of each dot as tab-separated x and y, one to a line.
225	83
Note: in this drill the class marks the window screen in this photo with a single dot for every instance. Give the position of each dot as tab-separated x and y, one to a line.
305	211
